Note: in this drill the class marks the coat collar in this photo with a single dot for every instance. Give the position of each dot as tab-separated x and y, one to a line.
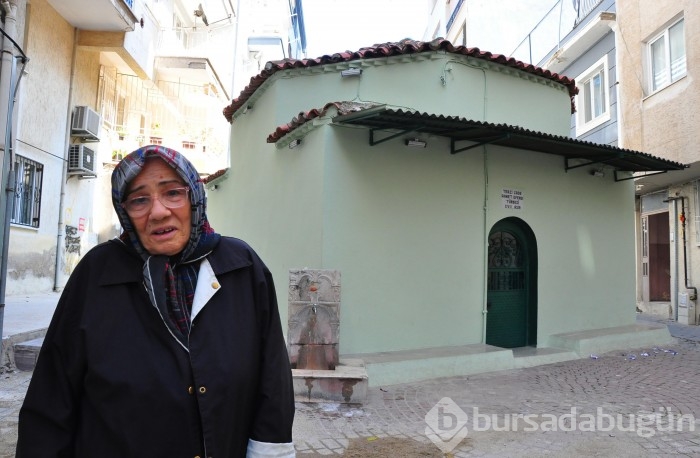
126	267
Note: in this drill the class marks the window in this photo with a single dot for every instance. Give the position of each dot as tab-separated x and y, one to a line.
593	101
28	176
667	57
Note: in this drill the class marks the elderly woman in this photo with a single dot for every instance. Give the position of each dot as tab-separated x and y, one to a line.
166	342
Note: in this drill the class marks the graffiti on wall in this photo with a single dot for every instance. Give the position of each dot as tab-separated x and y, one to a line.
72	240
72	245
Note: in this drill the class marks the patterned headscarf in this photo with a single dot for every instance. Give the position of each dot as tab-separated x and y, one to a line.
170	280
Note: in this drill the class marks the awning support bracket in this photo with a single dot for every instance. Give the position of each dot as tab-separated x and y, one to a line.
568	167
617	178
497	138
373	142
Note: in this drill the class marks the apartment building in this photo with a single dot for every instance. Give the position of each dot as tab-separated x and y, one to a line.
100	79
658	107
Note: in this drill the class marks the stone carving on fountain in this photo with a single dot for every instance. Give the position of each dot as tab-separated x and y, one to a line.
313	339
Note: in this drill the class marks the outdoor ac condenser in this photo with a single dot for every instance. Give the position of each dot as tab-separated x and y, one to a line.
86	123
81	161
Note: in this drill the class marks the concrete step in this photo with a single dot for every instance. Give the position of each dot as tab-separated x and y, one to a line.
585	343
532	356
22	339
390	368
26	353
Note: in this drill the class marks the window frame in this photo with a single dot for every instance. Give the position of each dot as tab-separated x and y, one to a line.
586	94
669	79
26	206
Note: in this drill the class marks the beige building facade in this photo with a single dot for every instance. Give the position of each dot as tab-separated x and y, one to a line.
102	78
659	94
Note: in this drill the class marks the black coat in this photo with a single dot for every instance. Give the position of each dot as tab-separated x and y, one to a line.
111	381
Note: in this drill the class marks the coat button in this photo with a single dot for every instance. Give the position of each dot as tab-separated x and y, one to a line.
202	389
215	285
190	389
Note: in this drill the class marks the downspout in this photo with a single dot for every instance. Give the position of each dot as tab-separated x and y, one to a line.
64	172
8	91
681	217
5	79
685	251
675	257
484	301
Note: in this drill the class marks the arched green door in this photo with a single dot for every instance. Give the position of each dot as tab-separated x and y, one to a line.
511	319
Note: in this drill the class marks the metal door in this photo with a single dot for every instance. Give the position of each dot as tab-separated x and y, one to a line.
511	311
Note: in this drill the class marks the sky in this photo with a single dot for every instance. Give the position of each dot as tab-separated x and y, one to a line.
339	25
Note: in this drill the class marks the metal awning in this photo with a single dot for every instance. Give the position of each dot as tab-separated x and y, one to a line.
386	123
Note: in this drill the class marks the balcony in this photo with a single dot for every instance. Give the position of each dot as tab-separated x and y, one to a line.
197	56
560	23
102	15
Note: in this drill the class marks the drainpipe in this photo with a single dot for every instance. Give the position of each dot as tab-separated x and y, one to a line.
64	173
484	304
674	292
8	93
685	250
683	200
6	78
675	257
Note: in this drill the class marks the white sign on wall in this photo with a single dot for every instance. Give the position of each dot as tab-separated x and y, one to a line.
512	199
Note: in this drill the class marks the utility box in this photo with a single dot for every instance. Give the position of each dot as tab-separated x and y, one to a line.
686	309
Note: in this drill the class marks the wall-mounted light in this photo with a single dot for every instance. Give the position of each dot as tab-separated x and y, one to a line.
294	143
416	142
597	173
351	72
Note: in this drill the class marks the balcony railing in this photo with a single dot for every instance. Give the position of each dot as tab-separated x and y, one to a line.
584	7
451	21
558	22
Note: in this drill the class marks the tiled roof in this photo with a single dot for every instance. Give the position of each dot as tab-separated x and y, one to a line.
403	47
382	117
213	176
305	116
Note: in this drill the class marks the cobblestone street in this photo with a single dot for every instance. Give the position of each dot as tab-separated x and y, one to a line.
656	385
614	382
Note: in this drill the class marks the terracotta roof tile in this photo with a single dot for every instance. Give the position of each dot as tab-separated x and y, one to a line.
213	176
392	49
461	129
305	116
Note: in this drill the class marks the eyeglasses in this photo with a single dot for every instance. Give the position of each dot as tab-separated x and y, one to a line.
170	198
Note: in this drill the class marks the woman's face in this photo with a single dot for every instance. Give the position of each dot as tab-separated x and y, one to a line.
161	230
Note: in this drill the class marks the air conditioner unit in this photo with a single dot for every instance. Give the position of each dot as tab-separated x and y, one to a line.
86	123
81	160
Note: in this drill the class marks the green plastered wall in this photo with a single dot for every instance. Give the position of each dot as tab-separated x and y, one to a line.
584	227
399	221
472	89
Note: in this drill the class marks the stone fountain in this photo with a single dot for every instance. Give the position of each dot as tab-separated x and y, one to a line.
313	341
